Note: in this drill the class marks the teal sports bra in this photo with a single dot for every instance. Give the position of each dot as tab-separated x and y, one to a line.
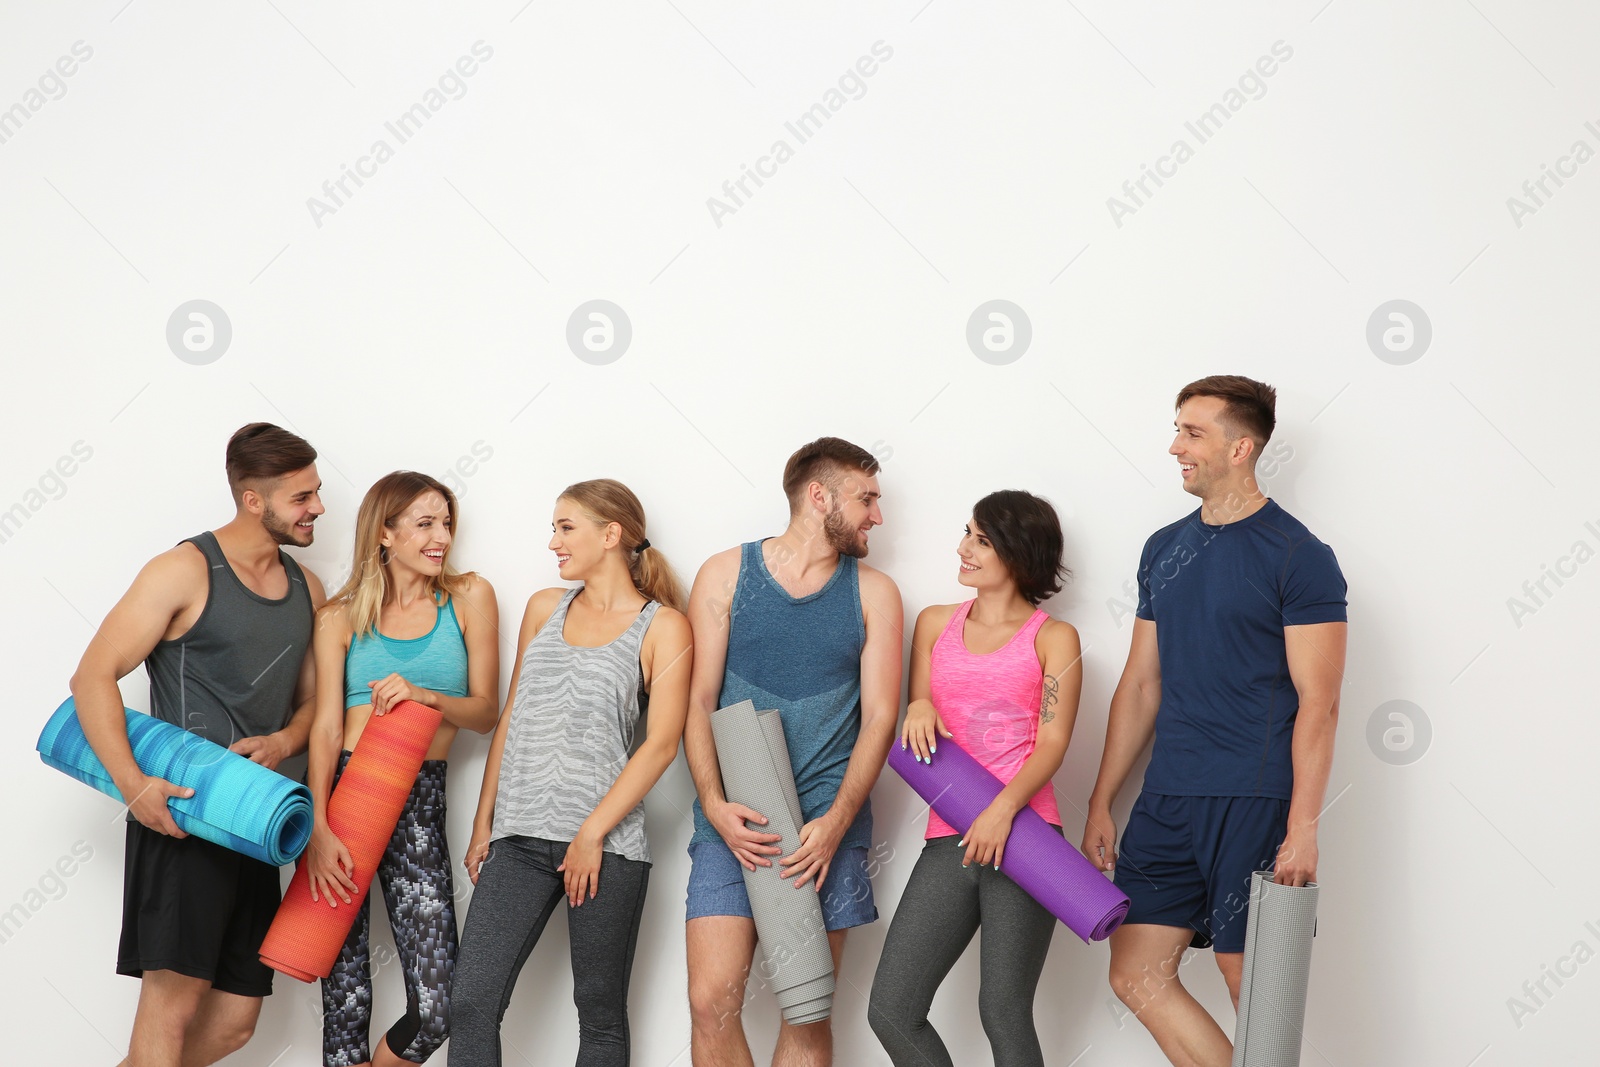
437	660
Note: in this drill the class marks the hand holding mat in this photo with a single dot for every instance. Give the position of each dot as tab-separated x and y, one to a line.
365	805
1038	858
796	957
1277	972
237	804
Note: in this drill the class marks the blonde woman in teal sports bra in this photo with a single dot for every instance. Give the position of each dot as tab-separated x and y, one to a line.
406	626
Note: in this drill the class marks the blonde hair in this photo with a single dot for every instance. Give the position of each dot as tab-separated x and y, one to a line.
607	500
367	589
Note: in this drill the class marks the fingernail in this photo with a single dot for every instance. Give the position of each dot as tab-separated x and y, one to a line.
960	843
933	748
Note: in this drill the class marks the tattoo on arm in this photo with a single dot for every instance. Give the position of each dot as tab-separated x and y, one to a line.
1047	709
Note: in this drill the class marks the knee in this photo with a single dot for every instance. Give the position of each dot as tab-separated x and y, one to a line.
1002	1013
715	1005
601	1005
236	1036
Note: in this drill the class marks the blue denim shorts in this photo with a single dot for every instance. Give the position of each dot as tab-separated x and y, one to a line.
716	886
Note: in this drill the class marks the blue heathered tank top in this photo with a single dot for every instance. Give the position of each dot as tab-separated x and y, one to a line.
437	660
802	656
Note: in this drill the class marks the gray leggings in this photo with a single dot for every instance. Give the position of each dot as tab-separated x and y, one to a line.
518	888
939	912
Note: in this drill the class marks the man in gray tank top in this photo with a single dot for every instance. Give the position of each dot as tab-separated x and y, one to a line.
798	624
223	624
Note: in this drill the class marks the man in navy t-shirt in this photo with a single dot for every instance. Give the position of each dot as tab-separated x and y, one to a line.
1237	657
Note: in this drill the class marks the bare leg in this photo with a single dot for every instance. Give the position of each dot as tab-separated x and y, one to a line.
810	1045
168	1002
221	1026
1144	975
720	950
1231	964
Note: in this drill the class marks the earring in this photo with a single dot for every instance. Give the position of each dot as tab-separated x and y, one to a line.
383	555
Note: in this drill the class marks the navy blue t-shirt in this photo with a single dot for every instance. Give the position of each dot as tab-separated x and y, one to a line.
1220	597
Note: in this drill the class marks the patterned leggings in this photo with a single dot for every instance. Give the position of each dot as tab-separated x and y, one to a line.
417	889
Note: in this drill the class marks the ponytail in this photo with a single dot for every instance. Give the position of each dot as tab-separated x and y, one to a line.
654	577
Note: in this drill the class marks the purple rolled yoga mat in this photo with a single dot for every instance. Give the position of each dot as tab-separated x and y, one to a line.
1037	857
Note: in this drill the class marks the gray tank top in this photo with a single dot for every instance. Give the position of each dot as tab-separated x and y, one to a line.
572	729
233	674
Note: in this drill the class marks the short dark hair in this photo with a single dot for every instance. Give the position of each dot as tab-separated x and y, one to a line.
1026	534
823	460
1249	407
263	452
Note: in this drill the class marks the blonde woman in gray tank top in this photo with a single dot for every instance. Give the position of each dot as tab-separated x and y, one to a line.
561	813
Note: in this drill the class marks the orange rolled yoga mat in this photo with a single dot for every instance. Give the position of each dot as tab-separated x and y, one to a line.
365	805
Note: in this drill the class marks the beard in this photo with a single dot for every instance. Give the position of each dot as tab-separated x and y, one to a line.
841	536
283	533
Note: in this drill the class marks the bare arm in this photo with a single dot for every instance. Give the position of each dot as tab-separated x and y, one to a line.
1061	658
1129	728
667	659
329	864
1316	655
924	726
880	710
167	586
538	611
710	601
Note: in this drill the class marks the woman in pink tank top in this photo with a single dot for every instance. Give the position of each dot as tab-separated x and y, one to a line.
1001	678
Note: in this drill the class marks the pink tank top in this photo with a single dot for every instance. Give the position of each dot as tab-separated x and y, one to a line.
991	705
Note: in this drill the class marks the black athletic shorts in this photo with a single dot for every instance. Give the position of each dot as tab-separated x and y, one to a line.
198	909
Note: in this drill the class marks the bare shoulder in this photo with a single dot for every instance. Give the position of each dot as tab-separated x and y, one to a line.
541	606
1057	639
314	586
177	576
875	583
937	615
335	614
670	625
724	564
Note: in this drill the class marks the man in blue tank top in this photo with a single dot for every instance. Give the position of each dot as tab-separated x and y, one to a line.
794	623
1235	666
222	623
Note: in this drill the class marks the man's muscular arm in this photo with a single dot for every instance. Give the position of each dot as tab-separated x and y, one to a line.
166	587
710	604
1316	667
880	710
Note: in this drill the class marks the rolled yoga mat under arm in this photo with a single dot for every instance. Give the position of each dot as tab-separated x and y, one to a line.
237	804
1277	972
306	934
796	957
1037	857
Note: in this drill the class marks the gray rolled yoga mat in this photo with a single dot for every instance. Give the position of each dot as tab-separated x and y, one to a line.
796	958
1277	971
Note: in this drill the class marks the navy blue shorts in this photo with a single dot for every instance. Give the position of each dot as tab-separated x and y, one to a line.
716	886
1187	861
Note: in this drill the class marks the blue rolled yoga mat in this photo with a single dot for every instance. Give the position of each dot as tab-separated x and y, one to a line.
236	804
1037	858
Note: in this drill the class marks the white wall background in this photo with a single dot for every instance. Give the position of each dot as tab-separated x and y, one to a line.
426	317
